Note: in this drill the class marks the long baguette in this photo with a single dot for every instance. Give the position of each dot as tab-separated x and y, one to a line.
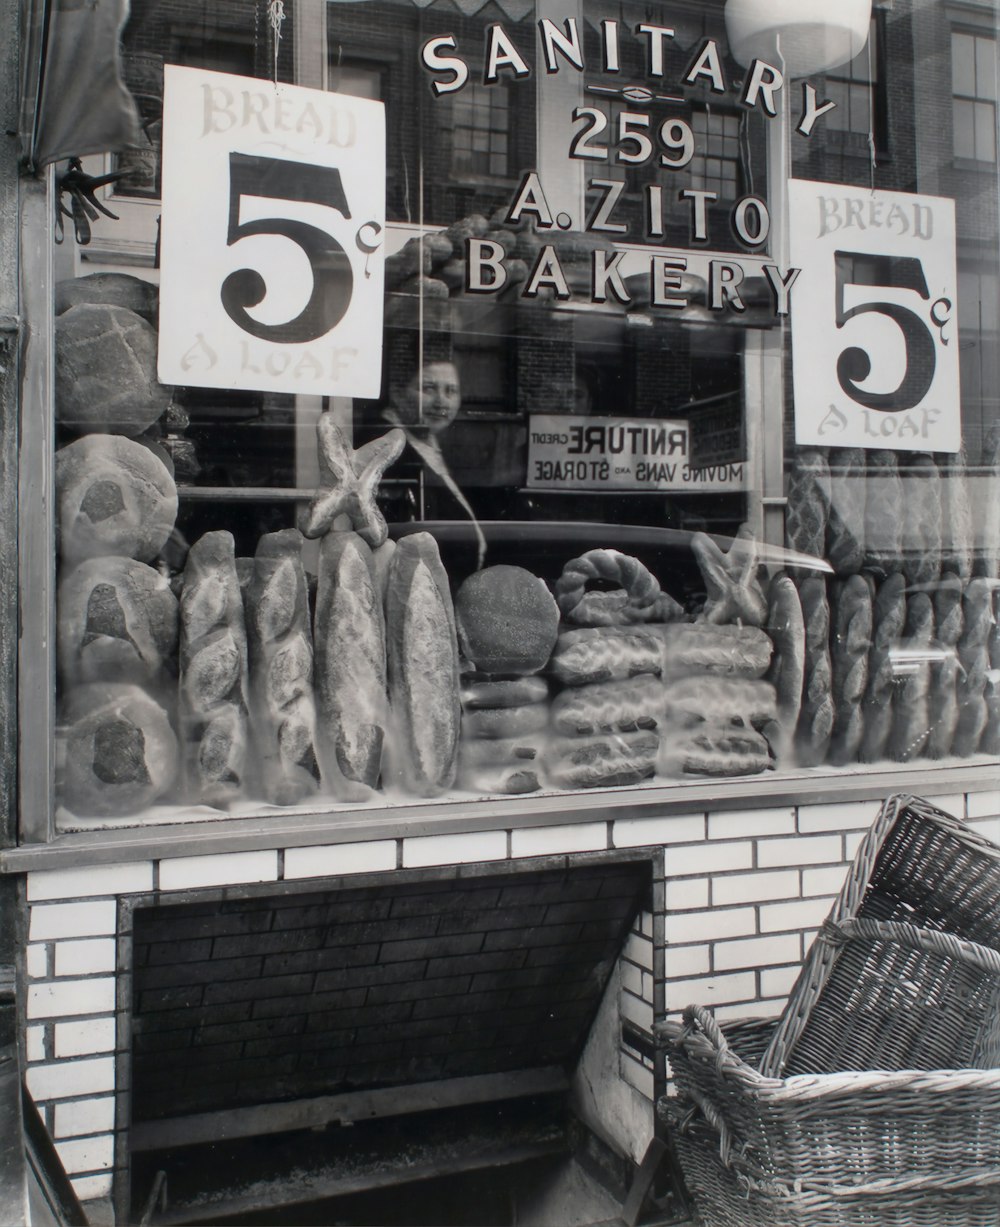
888	620
943	693
850	644
911	711
974	656
812	737
787	629
883	513
808	503
845	529
922	520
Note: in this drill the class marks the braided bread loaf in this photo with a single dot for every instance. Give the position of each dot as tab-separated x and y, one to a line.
283	712
214	677
974	657
943	694
812	737
850	644
787	673
808	505
989	742
911	712
922	519
845	529
888	620
957	533
883	513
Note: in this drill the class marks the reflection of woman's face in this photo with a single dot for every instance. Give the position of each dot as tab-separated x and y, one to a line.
433	396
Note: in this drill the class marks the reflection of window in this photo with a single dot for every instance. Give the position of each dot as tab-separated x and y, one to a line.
974	101
481	131
360	80
715	166
852	87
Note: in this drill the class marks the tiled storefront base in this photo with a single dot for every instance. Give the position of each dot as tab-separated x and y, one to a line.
740	897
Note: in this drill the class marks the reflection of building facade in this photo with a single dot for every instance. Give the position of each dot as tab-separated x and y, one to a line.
215	989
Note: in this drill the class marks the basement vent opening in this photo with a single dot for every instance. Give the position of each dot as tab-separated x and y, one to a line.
401	1051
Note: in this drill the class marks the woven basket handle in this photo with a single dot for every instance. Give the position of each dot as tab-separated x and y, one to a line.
696	1017
932	940
714	1117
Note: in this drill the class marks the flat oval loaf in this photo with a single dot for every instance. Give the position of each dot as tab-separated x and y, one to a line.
121	753
113	497
607	707
117	621
701	647
105	371
422	653
605	654
350	674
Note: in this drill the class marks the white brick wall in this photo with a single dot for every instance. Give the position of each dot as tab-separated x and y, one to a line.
743	892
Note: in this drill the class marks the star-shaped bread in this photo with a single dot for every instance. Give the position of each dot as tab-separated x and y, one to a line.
350	481
734	591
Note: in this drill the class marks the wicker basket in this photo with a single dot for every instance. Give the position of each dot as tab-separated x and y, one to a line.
831	1131
920	867
733	1193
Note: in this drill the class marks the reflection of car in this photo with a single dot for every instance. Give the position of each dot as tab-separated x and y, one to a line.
544	547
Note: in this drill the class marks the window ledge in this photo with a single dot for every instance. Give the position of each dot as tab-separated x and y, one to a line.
974	165
198	836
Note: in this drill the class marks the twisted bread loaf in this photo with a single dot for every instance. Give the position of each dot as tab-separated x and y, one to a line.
214	672
352	700
812	737
423	668
943	692
845	529
808	505
974	657
883	513
911	712
283	711
637	598
850	644
888	620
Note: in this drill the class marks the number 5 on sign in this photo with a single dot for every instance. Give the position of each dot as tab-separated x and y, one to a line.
874	319
271	261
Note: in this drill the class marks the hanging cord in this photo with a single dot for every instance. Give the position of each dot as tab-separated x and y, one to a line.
871	115
275	17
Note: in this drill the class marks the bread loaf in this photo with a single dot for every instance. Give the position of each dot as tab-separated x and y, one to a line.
974	657
735	701
911	712
845	529
715	748
283	711
850	644
504	692
507	621
888	620
505	722
943	690
883	513
608	707
987	561
605	654
700	647
120	751
214	682
105	371
114	497
423	668
989	742
601	762
352	701
812	737
500	751
808	507
117	621
635	596
787	672
921	520
109	289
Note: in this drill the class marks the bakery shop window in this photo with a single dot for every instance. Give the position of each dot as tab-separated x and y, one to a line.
622	496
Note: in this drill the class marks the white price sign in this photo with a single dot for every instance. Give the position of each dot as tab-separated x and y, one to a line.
272	265
874	319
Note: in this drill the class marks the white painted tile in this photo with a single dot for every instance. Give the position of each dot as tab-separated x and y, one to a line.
37	961
667	830
796	916
55	920
778	981
58	999
458	849
86	1038
636	1011
86	958
838	816
637	1076
823	881
222	869
708	858
87	1154
711	991
685	961
71	1079
639	950
755	887
631	977
984	804
799	850
85	1116
331	860
751	823
125	879
710	926
551	841
92	1188
685	893
757	952
35	1043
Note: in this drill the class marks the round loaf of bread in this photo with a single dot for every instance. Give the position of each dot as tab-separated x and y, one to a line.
109	289
113	497
105	371
117	621
507	620
121	752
